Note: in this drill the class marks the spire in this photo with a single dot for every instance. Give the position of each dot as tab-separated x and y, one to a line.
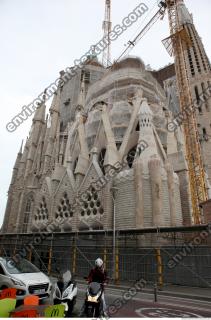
145	109
40	111
25	151
21	147
39	152
112	155
19	155
54	115
183	13
23	158
146	131
37	129
145	117
55	106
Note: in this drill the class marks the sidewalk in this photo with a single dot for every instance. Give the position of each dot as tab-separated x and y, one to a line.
183	292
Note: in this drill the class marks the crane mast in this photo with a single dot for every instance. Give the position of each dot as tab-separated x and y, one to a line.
176	45
106	57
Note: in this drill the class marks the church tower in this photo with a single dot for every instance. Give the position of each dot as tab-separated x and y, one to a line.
199	71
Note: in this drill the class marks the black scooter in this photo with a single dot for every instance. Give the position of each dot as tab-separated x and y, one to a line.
93	300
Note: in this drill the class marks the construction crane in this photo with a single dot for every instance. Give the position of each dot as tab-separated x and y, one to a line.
106	57
177	44
158	15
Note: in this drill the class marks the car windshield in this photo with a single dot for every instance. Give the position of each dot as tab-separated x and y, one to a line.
23	266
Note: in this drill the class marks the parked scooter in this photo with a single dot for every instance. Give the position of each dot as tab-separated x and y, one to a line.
65	292
93	301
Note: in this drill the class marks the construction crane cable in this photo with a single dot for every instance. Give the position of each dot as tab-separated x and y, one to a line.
144	19
159	14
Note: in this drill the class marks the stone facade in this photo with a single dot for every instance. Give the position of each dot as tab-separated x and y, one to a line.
105	150
118	120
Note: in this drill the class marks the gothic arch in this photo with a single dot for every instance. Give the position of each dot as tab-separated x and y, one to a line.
28	210
74	166
101	159
131	156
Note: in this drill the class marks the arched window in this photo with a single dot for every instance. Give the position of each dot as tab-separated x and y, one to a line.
191	62
75	165
131	156
197	98
27	212
101	159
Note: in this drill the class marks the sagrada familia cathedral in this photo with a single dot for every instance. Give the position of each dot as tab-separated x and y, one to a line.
105	146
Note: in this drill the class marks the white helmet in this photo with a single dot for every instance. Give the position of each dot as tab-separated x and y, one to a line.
99	262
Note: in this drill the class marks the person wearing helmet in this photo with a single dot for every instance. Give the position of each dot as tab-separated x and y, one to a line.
98	274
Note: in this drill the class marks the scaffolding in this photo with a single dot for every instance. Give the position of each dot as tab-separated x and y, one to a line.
139	254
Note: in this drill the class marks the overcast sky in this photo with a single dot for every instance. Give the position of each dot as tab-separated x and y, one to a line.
39	38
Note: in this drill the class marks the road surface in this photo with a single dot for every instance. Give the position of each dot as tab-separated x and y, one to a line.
143	305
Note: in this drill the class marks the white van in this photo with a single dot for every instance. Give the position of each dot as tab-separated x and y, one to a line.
25	277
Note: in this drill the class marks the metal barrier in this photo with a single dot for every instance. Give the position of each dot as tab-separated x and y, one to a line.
180	263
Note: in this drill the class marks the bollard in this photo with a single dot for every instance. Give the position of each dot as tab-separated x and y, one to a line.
116	280
155	292
159	269
30	255
49	260
74	259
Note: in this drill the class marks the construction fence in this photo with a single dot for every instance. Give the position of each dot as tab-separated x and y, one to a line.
182	262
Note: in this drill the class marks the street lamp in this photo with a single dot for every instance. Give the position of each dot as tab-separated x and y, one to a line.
113	189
